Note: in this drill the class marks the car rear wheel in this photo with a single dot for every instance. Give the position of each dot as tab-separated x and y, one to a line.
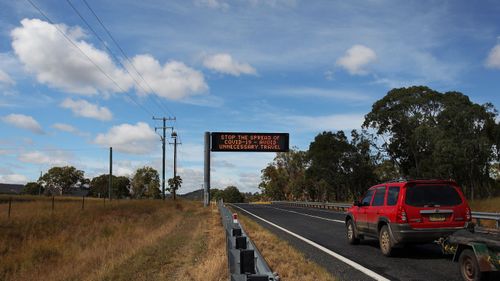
350	233
469	267
386	244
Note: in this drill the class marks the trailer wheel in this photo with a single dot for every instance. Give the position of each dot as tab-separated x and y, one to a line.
469	268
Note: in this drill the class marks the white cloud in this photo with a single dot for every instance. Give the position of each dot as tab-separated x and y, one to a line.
214	4
5	78
68	128
64	127
56	62
56	157
24	122
45	52
493	60
223	5
324	123
86	109
357	57
274	3
173	80
134	139
224	63
14	179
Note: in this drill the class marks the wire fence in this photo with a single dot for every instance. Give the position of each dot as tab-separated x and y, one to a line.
10	204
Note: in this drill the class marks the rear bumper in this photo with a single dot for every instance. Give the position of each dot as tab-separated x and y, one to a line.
403	233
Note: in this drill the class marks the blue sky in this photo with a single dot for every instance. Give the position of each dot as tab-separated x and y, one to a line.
218	65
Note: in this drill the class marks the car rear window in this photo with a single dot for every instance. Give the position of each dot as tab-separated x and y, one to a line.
432	195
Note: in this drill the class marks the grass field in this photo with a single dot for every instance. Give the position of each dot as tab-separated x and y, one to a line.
486	205
122	240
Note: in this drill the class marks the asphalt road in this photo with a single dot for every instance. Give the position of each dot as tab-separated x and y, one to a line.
326	229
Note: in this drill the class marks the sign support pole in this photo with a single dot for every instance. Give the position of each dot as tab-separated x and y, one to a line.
206	176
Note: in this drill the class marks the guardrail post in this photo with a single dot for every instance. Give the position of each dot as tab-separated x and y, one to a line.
240	242
244	260
236	232
247	262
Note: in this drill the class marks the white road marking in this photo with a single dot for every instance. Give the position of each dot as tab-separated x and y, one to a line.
312	216
351	263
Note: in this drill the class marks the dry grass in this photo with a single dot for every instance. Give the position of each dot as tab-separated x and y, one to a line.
486	205
124	240
291	264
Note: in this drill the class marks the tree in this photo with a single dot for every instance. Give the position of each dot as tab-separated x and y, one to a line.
121	187
428	134
146	183
284	178
231	194
174	184
216	194
59	180
99	186
33	188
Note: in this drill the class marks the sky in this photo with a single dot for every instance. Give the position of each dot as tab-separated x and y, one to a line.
70	88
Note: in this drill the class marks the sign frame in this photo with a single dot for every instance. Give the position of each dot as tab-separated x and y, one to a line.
263	142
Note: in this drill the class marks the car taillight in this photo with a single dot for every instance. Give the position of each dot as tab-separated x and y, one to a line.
401	216
468	216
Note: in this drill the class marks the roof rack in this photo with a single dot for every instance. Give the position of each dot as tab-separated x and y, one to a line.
398	180
402	179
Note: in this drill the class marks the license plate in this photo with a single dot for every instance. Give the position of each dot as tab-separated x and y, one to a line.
437	217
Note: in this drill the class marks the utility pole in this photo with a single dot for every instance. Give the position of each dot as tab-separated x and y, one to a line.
206	176
110	181
174	136
39	184
164	127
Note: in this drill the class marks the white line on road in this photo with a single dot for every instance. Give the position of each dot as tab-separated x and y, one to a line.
312	216
353	264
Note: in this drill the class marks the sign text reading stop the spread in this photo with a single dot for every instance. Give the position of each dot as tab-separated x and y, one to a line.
252	142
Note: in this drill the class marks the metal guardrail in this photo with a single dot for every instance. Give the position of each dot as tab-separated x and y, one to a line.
478	216
244	260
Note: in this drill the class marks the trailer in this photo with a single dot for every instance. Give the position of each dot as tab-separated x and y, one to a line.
476	250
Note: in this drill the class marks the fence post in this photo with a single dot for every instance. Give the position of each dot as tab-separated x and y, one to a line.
53	198
10	206
83	202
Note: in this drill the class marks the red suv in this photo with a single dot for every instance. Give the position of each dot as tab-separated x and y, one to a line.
415	211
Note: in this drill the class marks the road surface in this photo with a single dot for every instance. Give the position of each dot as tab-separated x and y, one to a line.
320	234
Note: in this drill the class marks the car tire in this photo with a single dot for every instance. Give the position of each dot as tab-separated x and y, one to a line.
469	267
350	228
385	241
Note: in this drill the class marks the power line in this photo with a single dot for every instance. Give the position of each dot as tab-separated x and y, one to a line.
108	32
108	49
126	57
88	58
53	149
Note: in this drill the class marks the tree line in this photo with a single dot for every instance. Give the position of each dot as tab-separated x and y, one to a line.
145	183
411	133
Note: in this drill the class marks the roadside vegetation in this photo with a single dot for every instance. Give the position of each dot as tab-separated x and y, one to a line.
413	132
123	240
491	205
290	263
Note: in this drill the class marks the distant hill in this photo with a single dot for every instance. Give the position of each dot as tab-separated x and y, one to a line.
7	188
196	195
